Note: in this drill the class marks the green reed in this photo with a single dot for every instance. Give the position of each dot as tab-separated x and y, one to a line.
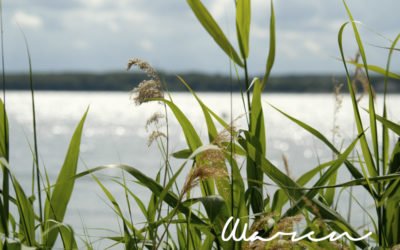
177	217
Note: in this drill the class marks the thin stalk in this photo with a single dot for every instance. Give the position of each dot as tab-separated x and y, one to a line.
35	143
129	207
231	137
247	84
232	174
165	150
6	142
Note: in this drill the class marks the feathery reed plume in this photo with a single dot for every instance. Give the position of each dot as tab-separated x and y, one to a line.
212	158
338	105
143	66
360	77
208	166
154	136
226	135
154	119
199	174
287	224
147	89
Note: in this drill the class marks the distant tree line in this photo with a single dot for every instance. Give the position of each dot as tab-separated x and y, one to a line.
199	82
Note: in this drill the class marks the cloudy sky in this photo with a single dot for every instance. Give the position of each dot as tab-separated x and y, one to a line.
101	35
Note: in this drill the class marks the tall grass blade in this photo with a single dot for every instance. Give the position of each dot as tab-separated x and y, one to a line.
170	198
389	124
367	156
325	177
25	208
192	139
214	30
385	130
237	207
257	138
118	211
377	69
4	202
218	213
35	143
67	234
56	206
243	19
272	46
352	169
3	131
372	119
283	181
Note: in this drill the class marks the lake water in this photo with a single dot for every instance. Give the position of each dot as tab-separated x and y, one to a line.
115	133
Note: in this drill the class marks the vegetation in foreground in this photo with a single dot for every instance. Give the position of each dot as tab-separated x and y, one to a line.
178	218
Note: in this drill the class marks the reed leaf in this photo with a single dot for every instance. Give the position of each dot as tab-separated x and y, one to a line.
170	198
385	130
371	104
192	139
352	169
4	152
25	208
257	138
243	20
117	209
376	69
3	131
372	170
325	176
283	181
67	234
389	124
272	47
217	212
56	205
211	26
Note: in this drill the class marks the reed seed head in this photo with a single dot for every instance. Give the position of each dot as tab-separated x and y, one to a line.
154	119
143	66
147	90
227	135
198	174
154	136
286	224
211	158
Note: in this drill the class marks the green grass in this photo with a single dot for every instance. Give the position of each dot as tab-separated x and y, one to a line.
178	218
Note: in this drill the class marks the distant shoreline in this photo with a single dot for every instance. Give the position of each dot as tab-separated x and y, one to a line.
323	83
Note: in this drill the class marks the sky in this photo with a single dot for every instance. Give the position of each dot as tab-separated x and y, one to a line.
102	35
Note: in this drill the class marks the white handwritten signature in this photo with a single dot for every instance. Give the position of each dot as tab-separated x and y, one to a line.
333	236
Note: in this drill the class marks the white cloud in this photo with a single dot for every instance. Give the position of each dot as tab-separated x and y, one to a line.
26	20
218	8
259	32
312	46
146	45
168	33
94	3
81	44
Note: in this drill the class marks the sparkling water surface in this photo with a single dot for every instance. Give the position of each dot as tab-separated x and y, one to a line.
115	133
